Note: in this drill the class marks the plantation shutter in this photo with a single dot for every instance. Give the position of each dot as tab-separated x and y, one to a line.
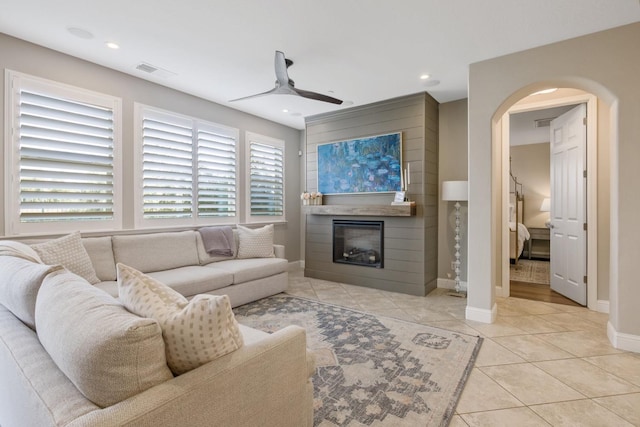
266	171
167	171
66	159
216	172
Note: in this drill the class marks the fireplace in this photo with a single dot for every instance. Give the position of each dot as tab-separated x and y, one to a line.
358	243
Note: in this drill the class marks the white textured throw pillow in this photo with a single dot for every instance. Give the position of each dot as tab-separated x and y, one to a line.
195	332
68	251
255	243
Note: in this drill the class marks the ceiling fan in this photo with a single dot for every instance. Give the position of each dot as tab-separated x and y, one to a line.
286	86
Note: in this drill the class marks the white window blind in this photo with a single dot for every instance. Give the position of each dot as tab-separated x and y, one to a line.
266	177
167	171
216	172
187	168
61	157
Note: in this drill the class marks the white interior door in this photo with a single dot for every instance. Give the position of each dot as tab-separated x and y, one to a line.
568	204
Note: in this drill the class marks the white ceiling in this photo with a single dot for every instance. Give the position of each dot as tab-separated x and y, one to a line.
360	51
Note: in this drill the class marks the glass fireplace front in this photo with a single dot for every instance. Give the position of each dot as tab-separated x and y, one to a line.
358	242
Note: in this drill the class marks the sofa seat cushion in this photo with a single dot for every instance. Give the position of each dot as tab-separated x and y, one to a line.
245	270
157	251
107	352
109	286
195	332
194	280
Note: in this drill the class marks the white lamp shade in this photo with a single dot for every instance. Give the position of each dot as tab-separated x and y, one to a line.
546	205
455	190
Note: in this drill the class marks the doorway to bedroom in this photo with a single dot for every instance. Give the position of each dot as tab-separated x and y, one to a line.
530	189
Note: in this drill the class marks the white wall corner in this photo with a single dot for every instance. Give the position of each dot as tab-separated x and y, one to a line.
623	341
602	306
482	315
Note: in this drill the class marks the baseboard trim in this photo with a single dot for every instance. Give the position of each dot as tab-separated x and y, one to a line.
623	341
296	265
450	284
481	314
602	306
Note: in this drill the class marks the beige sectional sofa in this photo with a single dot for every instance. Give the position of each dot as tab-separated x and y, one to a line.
179	260
266	382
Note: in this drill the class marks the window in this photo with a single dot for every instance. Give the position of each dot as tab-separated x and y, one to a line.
62	159
265	166
186	168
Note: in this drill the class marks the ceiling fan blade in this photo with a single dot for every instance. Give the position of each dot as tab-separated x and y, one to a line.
317	96
286	86
269	92
281	69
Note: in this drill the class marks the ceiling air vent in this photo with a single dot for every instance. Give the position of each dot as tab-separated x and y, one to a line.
156	71
542	123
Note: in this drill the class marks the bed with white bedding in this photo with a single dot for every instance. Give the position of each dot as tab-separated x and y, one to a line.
518	233
519	237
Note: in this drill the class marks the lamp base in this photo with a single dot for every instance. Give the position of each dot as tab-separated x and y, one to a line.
459	294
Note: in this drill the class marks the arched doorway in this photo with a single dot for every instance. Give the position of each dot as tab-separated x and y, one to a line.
596	171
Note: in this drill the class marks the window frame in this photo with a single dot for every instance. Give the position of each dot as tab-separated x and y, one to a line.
274	142
195	219
14	82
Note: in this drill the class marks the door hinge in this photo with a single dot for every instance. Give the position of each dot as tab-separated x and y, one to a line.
585	280
584	173
584	121
584	226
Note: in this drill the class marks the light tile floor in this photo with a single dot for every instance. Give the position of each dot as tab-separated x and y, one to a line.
541	364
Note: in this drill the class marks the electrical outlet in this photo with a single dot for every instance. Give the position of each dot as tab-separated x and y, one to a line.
453	265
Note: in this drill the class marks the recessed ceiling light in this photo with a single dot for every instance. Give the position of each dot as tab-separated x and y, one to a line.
79	32
284	110
541	92
112	45
424	76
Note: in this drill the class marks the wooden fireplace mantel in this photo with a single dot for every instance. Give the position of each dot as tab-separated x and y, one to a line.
361	210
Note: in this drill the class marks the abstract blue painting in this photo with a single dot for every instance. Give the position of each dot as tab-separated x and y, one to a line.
363	165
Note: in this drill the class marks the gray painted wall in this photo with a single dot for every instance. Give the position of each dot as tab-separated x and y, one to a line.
605	64
411	243
28	58
453	167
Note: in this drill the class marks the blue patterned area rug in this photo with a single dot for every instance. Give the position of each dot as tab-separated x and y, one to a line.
373	370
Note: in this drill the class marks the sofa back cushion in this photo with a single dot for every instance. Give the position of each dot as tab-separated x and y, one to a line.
157	251
101	254
107	352
19	284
